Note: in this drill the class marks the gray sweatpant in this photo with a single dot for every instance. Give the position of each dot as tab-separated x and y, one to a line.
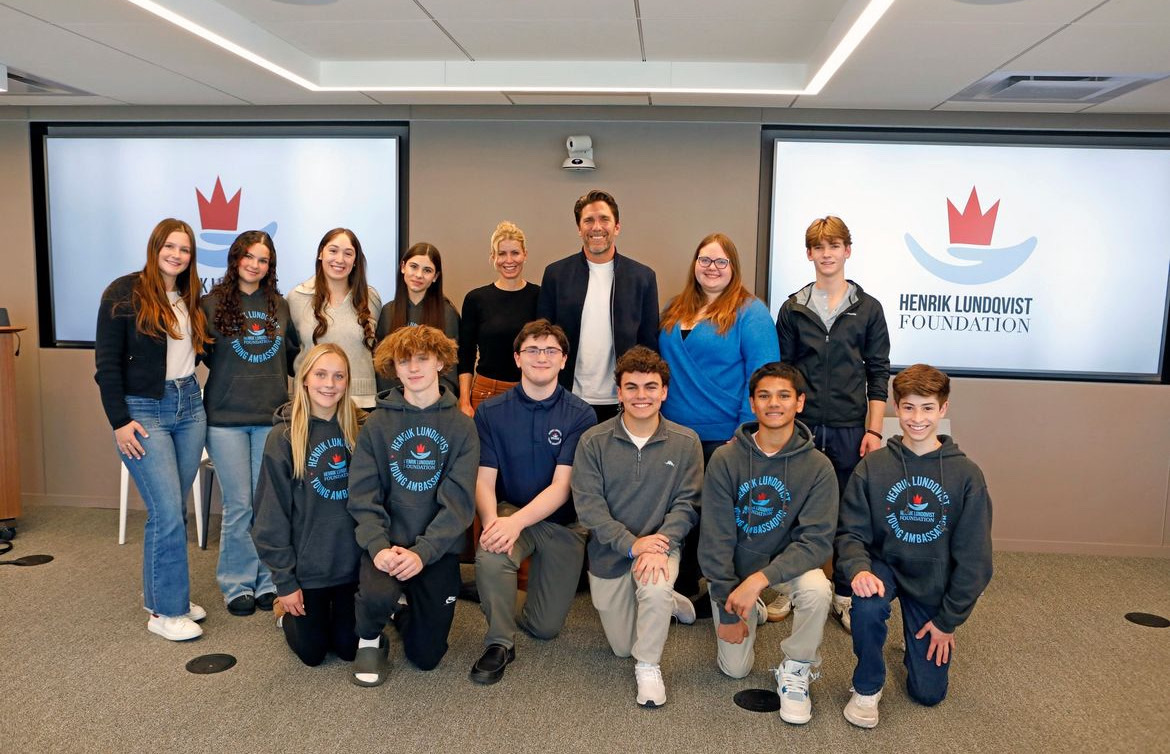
557	553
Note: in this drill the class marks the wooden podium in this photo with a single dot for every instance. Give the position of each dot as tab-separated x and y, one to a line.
9	449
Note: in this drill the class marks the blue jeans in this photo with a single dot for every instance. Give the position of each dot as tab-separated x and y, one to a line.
237	453
925	682
175	425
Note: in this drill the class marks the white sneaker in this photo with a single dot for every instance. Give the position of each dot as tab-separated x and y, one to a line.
651	689
761	612
862	709
194	612
779	609
792	679
684	609
176	628
840	610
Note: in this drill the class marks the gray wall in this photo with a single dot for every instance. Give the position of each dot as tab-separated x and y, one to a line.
1073	467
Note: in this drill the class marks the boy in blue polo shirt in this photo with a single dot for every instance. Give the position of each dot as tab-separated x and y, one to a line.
528	437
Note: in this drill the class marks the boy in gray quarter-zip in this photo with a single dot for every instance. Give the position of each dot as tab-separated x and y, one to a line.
636	478
772	512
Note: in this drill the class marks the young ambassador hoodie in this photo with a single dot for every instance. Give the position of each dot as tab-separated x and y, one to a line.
928	517
248	371
774	514
412	483
622	492
302	530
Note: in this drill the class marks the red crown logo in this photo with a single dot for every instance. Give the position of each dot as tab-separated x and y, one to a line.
972	226
256	327
420	448
918	499
219	213
337	458
762	496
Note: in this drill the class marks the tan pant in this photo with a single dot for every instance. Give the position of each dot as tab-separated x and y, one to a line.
810	593
636	616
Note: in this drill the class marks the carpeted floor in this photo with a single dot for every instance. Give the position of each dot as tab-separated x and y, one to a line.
1047	663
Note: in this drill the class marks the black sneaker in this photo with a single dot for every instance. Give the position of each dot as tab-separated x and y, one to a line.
489	668
245	604
266	601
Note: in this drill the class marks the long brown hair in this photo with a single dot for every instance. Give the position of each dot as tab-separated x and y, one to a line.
229	317
154	315
302	409
433	299
359	290
722	311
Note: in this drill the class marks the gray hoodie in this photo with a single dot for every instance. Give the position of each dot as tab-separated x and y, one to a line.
302	530
928	518
412	482
623	493
774	514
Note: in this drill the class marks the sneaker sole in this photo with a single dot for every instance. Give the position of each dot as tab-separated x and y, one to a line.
651	704
158	632
793	720
867	724
841	621
776	617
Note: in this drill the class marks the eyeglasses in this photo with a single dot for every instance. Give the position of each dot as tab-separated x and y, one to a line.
552	351
720	264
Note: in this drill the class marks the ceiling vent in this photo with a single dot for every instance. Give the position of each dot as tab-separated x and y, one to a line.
1048	87
23	84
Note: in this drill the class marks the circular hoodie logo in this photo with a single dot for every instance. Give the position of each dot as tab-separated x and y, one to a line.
416	458
762	505
253	344
917	510
328	467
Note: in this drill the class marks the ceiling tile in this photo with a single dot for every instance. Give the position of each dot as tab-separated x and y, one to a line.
742	10
1101	48
340	10
919	65
765	41
594	39
371	40
529	10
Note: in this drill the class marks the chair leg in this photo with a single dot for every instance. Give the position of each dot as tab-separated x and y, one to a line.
122	505
208	468
196	498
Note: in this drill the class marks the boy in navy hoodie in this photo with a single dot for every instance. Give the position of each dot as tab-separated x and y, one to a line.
412	494
769	512
915	525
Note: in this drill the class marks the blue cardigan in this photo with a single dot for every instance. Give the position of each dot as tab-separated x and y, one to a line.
709	372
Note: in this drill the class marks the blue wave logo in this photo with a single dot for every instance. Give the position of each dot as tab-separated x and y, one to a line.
974	260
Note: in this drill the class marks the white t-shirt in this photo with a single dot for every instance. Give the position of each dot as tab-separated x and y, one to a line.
180	353
593	375
636	439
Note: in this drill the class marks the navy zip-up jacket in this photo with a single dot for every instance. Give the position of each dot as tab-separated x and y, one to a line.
633	304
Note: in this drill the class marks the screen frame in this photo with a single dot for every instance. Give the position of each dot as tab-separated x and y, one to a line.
41	131
769	134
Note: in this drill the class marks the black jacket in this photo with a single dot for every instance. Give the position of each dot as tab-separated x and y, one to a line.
633	304
128	362
846	366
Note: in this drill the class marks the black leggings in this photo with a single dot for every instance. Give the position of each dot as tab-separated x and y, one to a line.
327	625
426	623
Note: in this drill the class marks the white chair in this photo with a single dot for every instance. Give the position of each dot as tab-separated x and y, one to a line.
201	502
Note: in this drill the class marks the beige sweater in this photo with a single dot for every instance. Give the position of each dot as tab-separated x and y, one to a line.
345	331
